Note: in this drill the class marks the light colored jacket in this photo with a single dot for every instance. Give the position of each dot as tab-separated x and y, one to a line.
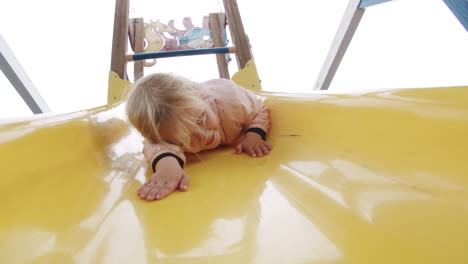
236	109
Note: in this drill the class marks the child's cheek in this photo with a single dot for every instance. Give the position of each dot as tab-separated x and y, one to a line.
195	145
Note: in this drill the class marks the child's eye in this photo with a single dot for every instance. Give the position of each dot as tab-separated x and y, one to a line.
201	119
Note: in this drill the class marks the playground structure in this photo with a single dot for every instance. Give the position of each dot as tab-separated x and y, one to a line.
376	177
152	39
160	46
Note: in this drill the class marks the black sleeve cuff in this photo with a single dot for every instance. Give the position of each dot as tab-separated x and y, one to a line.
257	130
158	158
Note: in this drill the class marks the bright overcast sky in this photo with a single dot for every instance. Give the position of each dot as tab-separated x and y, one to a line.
65	46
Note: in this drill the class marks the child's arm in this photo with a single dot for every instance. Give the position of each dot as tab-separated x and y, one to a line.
167	163
256	126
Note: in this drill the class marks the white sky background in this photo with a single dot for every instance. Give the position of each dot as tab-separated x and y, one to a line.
65	46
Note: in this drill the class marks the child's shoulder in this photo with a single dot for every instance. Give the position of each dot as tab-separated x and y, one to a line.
220	83
222	88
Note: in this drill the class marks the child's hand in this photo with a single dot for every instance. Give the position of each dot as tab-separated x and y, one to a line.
253	145
168	177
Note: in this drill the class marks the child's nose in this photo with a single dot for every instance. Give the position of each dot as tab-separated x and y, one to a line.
210	124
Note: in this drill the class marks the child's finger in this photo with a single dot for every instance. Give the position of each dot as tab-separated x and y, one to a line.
165	190
250	150
268	145
258	151
152	193
239	148
144	190
155	189
183	186
264	149
140	189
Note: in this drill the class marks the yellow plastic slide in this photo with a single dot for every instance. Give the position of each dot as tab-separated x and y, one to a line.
376	177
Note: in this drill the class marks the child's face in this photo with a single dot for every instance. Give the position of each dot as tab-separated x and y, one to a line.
205	136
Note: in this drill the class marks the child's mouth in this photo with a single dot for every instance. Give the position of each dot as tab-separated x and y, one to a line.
211	139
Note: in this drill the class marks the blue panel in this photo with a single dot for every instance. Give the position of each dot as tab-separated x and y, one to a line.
460	10
366	3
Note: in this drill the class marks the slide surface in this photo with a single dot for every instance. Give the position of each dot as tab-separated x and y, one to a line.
377	177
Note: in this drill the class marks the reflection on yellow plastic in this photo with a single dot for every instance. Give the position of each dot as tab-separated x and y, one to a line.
365	178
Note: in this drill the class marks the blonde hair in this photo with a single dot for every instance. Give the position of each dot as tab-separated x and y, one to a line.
165	99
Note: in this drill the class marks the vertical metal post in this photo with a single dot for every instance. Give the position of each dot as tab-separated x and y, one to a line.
343	37
460	9
20	80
